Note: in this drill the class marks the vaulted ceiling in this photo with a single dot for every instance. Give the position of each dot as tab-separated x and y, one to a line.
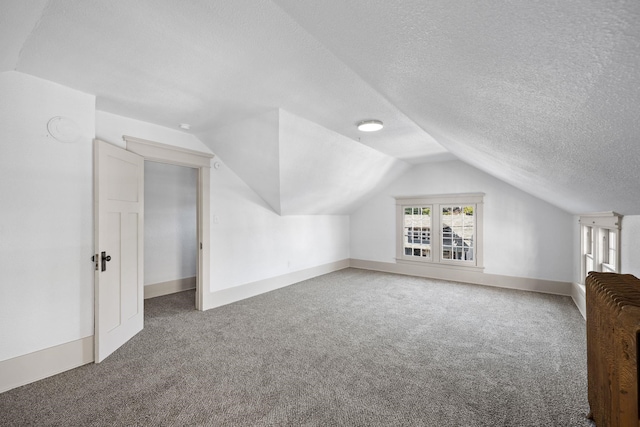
544	95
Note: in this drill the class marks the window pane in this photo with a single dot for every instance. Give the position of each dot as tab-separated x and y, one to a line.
604	246
458	230
588	263
613	248
588	243
446	252
417	231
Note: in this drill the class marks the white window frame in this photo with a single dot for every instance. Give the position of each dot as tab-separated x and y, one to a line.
595	234
436	202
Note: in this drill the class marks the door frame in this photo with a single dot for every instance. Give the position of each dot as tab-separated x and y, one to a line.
170	154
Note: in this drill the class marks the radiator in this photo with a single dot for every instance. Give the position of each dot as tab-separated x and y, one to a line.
613	322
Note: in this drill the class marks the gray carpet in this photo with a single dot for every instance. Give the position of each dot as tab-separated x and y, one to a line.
351	348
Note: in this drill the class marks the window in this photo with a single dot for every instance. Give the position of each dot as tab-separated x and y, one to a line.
600	240
441	230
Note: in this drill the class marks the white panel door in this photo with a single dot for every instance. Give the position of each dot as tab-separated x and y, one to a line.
119	215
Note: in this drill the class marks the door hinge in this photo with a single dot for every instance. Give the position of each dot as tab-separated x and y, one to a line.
94	258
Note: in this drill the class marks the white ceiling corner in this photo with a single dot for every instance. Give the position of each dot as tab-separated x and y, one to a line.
324	172
299	167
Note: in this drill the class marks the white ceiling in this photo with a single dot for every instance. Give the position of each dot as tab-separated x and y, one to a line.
543	95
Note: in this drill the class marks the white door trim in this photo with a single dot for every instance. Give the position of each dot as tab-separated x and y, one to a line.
164	153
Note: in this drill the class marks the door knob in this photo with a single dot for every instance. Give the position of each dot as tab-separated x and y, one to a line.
104	258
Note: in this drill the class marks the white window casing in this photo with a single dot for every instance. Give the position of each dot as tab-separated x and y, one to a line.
440	230
600	242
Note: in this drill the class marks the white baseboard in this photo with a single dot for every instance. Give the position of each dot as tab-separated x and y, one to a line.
170	287
35	366
237	293
578	293
467	276
38	365
31	367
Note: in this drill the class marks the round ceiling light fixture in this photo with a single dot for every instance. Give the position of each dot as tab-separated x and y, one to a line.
369	125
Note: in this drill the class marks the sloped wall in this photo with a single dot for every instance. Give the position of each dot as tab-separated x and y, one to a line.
299	167
523	236
250	242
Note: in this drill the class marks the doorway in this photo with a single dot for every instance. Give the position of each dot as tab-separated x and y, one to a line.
172	155
170	229
119	236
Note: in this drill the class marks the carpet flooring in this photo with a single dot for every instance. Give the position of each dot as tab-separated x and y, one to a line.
350	348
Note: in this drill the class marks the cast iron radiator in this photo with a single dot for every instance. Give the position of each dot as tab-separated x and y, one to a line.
613	322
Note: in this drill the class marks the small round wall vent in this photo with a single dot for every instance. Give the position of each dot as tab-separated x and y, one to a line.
63	129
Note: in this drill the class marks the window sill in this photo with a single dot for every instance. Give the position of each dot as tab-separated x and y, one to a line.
449	266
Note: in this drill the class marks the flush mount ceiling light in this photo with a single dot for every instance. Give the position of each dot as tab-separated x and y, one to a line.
185	126
369	125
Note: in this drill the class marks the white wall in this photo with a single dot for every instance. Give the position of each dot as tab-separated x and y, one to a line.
630	236
111	127
523	236
250	242
170	241
46	220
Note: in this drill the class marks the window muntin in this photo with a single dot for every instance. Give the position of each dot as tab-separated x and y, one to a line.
609	250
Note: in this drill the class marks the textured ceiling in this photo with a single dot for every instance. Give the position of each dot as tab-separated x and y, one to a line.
543	95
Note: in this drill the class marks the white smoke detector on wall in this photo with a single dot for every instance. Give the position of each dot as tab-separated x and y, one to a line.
63	129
